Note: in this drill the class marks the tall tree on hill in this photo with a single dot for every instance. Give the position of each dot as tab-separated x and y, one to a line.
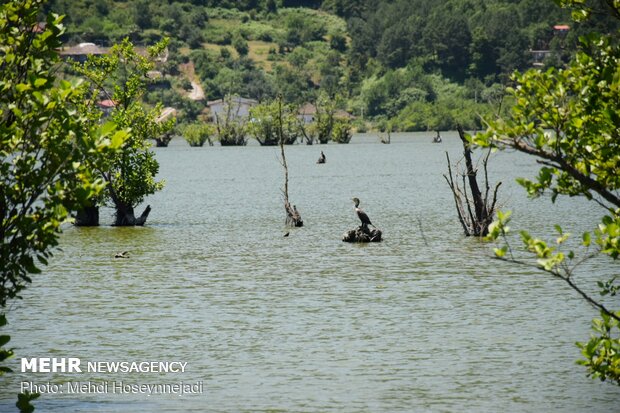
448	38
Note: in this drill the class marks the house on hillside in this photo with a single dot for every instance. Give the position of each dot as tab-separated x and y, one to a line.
81	52
343	114
237	106
540	55
106	106
307	113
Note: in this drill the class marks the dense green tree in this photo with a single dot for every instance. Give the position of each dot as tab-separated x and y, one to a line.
130	175
448	38
395	46
196	134
338	42
292	84
48	146
240	44
142	14
48	149
270	119
258	85
342	130
301	3
344	8
271	6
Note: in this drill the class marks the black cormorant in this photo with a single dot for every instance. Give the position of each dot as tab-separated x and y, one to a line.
361	214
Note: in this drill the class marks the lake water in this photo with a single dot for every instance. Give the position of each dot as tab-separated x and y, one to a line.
424	321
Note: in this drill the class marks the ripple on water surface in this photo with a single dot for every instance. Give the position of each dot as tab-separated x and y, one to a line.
424	321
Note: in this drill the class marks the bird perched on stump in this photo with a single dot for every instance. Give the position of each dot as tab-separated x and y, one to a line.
361	214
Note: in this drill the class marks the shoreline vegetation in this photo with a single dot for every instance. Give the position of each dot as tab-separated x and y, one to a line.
406	66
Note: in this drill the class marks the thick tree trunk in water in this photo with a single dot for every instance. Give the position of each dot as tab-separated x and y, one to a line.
125	216
87	217
479	206
163	141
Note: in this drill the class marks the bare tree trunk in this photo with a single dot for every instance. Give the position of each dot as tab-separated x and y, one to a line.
479	206
475	222
293	218
386	139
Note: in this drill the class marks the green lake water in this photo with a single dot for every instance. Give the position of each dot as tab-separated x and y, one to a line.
424	321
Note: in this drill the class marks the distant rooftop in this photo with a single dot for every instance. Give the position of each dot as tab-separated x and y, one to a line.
236	99
307	109
106	104
83	49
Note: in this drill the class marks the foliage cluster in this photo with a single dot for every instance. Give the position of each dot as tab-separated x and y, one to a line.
121	76
48	154
569	120
197	133
271	119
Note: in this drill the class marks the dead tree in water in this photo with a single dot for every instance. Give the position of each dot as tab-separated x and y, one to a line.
386	139
293	218
388	130
475	214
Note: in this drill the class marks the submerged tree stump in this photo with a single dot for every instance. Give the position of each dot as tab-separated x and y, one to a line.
87	217
163	140
125	216
363	234
293	217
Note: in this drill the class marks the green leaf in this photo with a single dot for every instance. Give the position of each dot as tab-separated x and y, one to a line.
500	252
586	237
40	82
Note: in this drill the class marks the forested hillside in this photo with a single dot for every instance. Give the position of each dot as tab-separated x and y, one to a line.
419	64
